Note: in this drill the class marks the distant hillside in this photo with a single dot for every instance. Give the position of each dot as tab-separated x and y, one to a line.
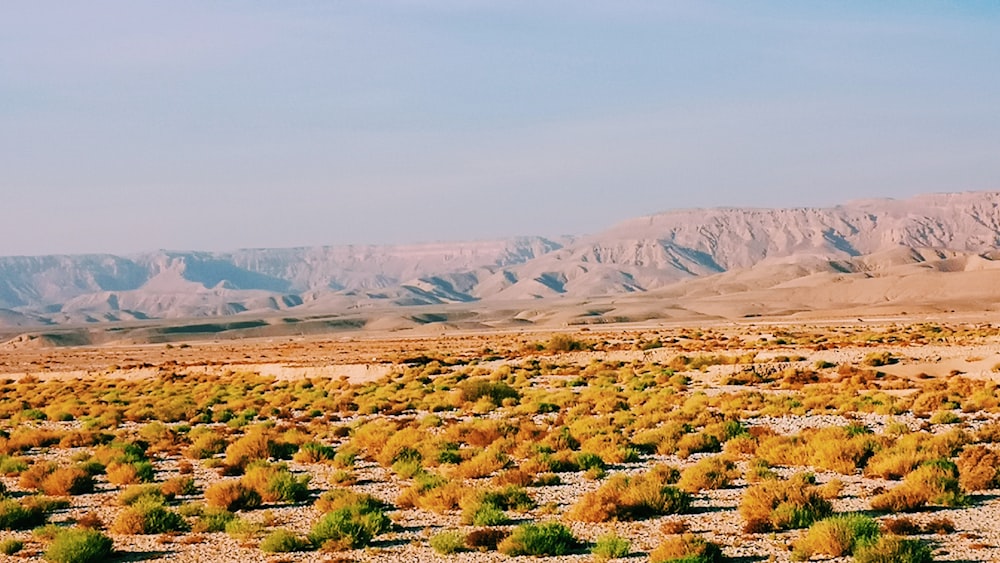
672	253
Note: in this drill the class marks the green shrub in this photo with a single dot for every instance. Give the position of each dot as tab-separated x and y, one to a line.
148	516
837	536
934	482
213	520
10	546
17	516
550	538
283	541
349	527
611	546
79	546
448	543
893	549
781	505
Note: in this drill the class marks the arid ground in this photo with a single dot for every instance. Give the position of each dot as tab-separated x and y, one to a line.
657	441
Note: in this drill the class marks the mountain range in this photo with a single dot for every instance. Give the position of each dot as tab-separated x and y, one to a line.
722	262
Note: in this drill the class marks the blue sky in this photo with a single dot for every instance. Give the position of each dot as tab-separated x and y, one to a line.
130	125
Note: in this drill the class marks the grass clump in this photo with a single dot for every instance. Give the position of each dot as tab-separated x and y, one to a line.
687	548
713	472
550	538
148	516
487	508
231	496
10	546
934	482
79	546
448	543
624	497
837	536
611	546
781	505
893	549
16	515
275	483
284	541
978	468
350	527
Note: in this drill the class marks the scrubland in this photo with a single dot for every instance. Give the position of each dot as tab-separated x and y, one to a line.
726	443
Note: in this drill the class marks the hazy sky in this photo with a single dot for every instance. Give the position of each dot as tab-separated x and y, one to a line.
212	124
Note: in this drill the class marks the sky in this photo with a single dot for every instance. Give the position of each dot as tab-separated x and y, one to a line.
133	125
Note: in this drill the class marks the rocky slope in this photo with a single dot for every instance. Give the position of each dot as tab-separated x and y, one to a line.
742	249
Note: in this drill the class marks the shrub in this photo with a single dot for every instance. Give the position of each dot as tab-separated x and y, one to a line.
709	473
67	481
140	493
205	446
130	473
485	540
213	520
231	496
178	486
10	546
340	498
625	497
148	517
978	468
934	482
349	527
780	505
550	538
611	546
837	536
448	543
687	549
893	549
314	452
79	546
17	516
283	541
276	483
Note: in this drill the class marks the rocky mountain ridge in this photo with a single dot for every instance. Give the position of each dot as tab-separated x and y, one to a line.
634	257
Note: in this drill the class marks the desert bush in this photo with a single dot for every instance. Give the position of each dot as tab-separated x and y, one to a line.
448	543
893	549
336	499
473	390
67	481
16	515
212	520
624	497
564	343
275	483
902	526
350	527
934	482
284	541
139	493
610	546
485	539
79	546
90	521
206	445
10	546
779	505
978	468
837	536
256	445
148	516
243	529
487	508
709	473
129	473
550	538
231	496
178	486
687	549
314	452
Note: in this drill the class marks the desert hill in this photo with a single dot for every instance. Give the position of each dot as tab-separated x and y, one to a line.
929	252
